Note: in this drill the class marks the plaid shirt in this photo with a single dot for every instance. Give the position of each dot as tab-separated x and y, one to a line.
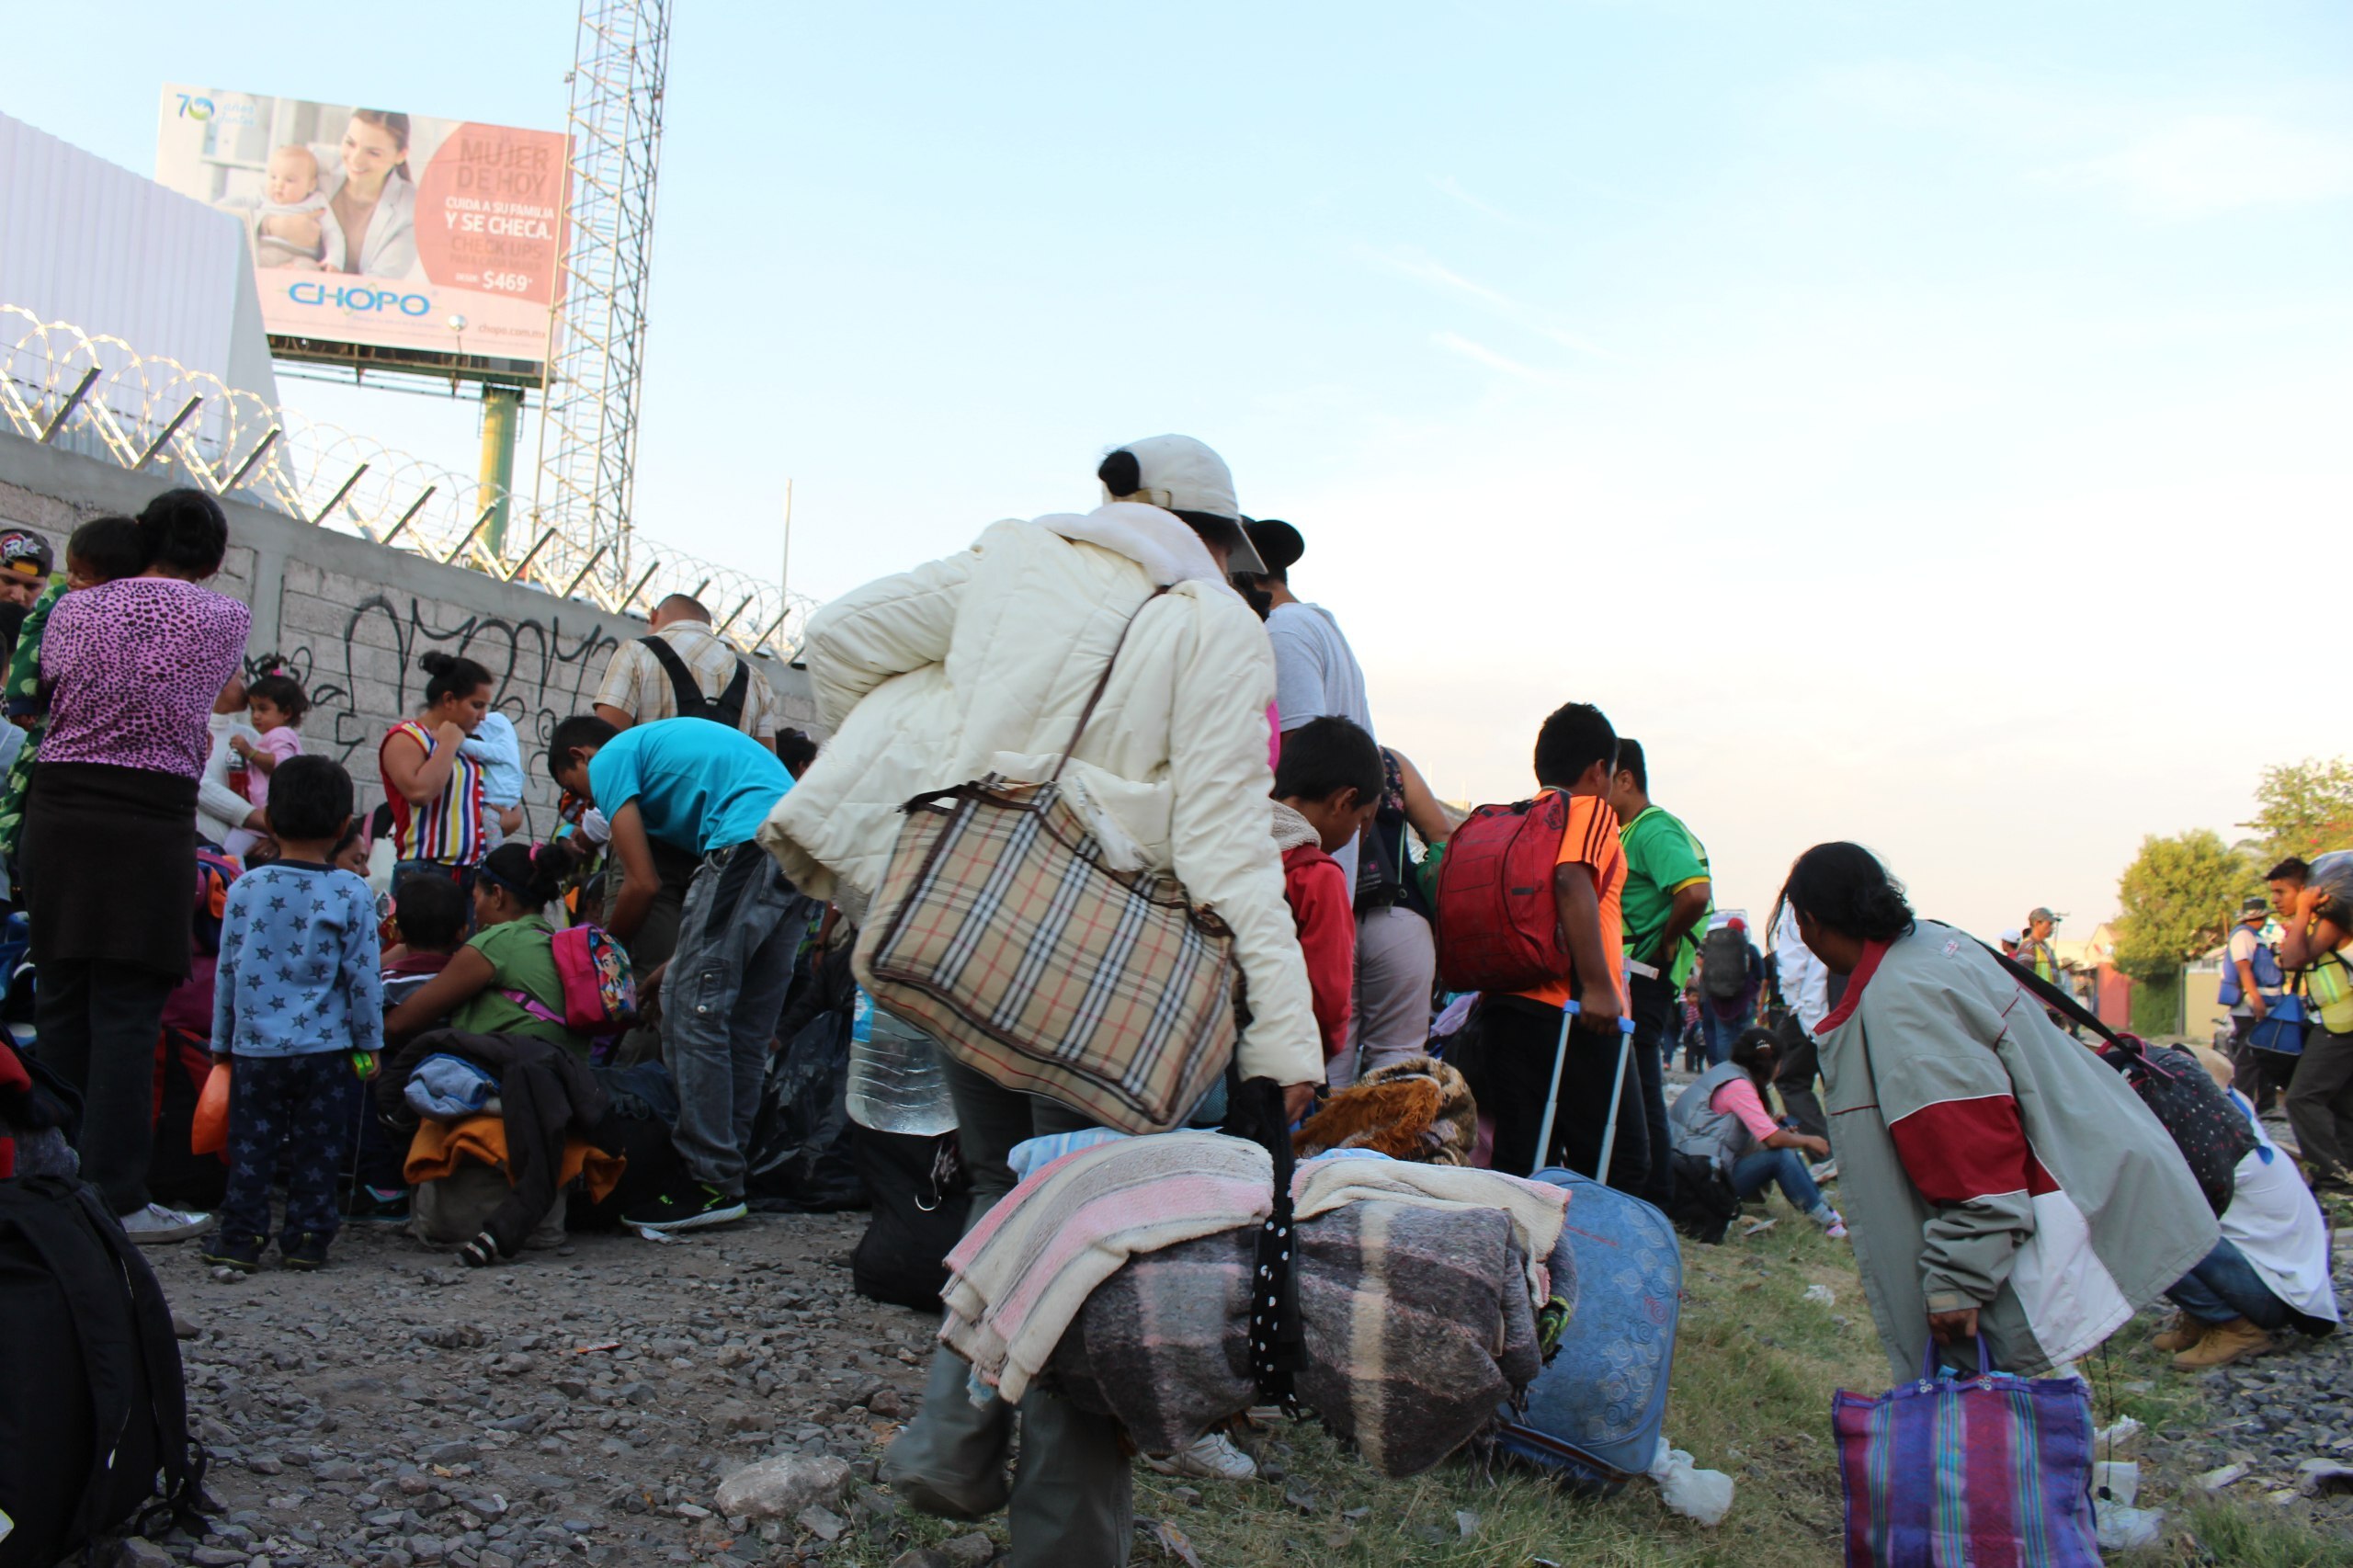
636	684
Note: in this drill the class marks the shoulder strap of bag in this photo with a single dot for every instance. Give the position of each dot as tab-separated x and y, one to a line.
690	701
1102	683
729	708
2054	997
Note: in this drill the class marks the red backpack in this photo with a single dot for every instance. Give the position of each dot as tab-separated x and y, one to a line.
1498	927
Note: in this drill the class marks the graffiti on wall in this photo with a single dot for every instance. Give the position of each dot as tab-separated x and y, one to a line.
539	674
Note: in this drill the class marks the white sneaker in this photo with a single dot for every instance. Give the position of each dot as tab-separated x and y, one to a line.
1210	1458
155	1224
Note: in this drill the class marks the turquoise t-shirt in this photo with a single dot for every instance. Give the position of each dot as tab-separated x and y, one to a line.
698	784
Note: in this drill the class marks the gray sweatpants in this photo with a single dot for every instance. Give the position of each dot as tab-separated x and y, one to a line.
738	935
1396	966
1072	1503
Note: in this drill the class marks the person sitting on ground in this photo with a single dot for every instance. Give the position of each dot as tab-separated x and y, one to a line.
1511	1069
503	981
2270	1270
2003	1184
427	928
1721	1120
1327	788
297	996
796	749
2320	1094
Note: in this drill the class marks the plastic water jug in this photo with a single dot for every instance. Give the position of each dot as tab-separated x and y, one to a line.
898	1080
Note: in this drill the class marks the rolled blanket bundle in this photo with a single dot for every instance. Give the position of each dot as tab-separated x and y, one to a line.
1417	1327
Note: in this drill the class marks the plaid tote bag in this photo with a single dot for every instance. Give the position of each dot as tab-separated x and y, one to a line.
999	931
1992	1471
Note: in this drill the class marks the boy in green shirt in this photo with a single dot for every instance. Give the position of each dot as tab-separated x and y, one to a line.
1667	897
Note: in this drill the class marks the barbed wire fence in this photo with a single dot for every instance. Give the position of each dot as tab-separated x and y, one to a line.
100	397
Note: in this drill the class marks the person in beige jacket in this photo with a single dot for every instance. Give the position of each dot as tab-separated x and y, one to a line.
981	664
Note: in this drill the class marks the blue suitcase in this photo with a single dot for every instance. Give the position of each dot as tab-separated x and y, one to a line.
1592	1417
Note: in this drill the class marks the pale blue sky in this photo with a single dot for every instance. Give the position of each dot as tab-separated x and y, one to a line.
1907	419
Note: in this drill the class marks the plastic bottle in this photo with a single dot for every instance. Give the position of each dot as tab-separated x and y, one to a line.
898	1080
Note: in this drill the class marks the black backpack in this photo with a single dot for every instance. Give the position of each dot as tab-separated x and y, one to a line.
727	708
2210	1132
1723	963
92	1413
1704	1205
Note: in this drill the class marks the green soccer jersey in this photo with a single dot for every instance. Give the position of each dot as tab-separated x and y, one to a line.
1662	859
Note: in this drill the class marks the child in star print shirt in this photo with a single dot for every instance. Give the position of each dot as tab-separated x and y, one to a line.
300	990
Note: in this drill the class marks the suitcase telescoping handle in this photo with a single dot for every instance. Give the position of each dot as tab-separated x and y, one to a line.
1553	1096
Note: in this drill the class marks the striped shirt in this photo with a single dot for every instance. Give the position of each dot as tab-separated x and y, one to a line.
448	829
1591	841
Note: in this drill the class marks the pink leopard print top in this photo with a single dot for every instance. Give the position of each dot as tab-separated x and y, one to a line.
134	668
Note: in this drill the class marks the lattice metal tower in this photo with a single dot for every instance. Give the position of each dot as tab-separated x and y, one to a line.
588	418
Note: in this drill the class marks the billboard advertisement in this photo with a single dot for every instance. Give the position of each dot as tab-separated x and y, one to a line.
428	238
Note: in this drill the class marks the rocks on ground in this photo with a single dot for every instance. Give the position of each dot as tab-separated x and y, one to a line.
396	1410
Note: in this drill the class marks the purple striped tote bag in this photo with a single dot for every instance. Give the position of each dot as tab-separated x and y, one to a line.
1983	1471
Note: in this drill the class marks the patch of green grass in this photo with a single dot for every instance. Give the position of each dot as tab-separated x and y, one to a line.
1754	1369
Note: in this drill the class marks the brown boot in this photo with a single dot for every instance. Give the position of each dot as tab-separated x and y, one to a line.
2179	1334
2223	1344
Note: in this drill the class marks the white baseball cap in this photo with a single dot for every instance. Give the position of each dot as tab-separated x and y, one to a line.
1178	473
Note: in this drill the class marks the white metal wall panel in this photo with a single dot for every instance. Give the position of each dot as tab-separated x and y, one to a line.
88	242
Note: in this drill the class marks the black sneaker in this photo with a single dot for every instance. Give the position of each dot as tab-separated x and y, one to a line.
685	1206
304	1252
240	1252
378	1206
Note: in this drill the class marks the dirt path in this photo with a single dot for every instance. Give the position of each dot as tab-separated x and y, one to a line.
399	1408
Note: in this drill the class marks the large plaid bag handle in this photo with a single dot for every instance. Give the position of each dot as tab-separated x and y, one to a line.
1102	683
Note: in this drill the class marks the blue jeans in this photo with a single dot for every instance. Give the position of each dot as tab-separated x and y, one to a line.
1751	1171
1719	1033
738	937
2225	1287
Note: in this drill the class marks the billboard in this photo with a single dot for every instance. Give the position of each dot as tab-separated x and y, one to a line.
433	243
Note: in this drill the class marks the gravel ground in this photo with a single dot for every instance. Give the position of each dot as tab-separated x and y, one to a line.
581	1404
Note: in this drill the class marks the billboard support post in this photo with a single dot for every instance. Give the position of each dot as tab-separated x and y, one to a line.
502	417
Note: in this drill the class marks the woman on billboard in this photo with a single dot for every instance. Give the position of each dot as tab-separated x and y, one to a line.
372	202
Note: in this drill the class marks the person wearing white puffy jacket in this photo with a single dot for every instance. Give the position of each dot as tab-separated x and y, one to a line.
981	664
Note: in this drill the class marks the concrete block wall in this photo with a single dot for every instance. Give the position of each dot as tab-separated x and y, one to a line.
350	619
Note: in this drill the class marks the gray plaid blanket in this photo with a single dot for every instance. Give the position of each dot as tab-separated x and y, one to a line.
1417	1327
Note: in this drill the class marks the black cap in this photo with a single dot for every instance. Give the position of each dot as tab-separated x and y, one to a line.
1278	542
24	554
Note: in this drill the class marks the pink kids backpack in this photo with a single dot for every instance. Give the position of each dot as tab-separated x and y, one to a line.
600	992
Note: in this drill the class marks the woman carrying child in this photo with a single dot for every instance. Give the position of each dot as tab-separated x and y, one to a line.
434	789
109	855
504	980
100	551
298	1008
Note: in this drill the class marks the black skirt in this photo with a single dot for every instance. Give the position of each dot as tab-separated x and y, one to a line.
109	863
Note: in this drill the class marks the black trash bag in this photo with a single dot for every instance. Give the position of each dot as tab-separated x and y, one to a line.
920	1193
800	1157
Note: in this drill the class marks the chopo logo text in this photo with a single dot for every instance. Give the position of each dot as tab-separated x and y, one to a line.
359	297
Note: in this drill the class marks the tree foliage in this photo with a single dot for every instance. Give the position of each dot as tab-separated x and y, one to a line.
2303	809
2180	896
